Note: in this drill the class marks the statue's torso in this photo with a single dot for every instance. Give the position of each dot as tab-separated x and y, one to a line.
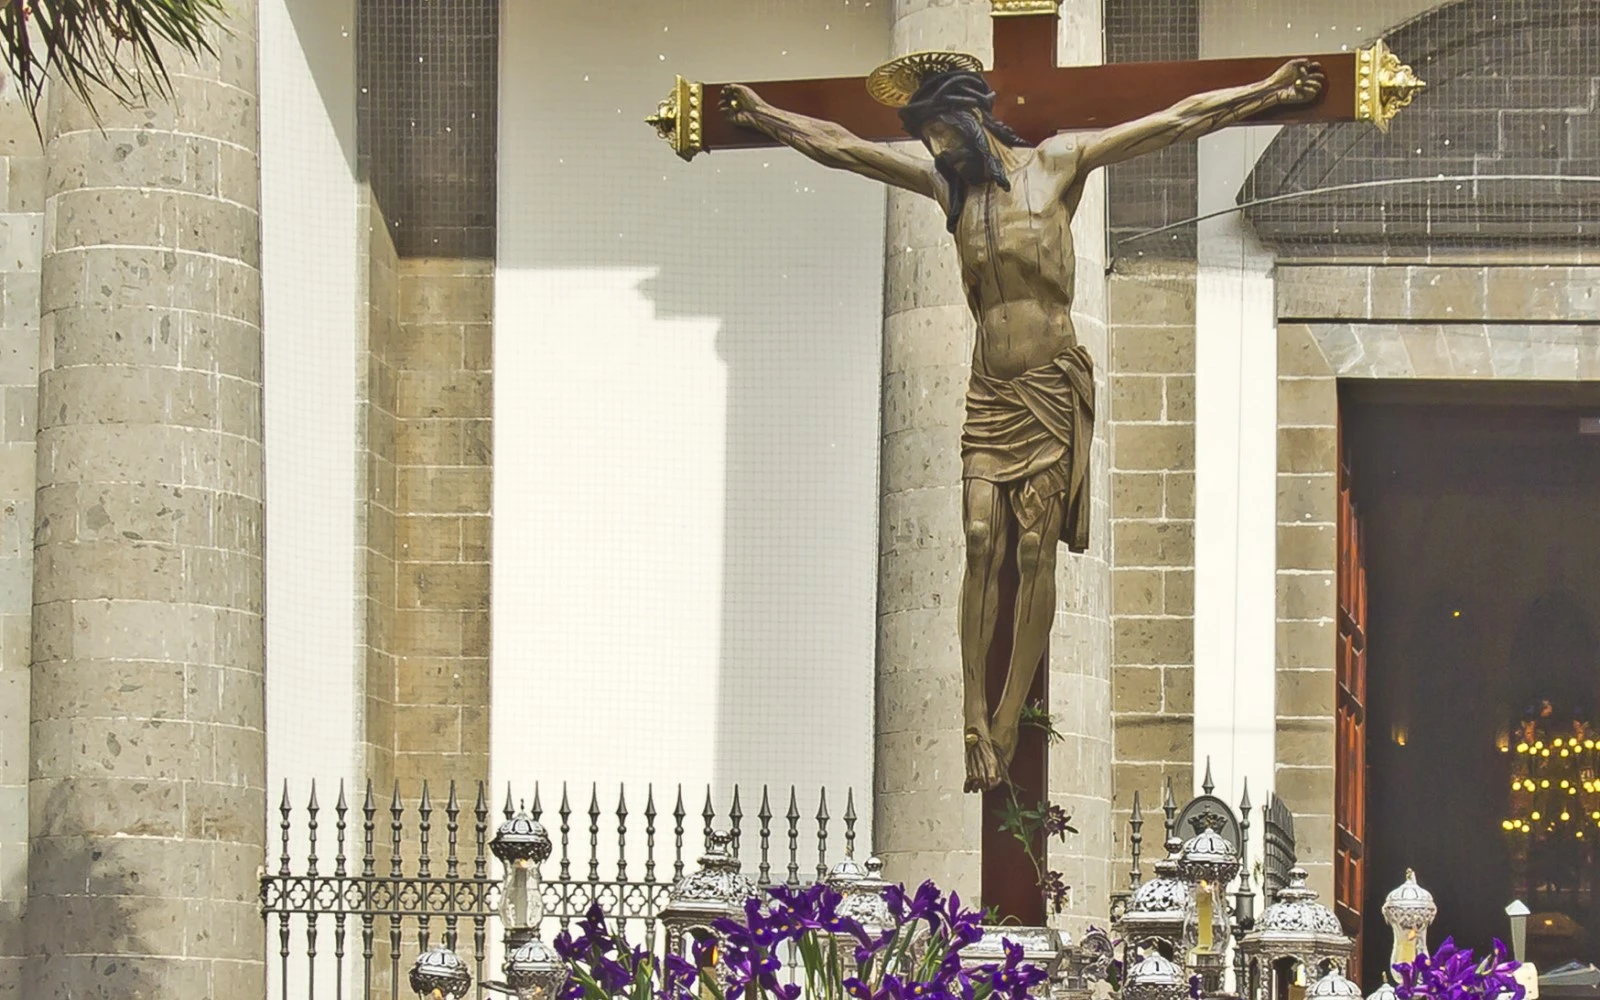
1018	265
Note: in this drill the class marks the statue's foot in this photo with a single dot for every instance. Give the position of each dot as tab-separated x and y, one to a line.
984	769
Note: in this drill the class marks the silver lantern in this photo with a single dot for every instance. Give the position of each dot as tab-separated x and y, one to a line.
1208	864
716	889
1155	977
1333	986
1156	910
522	845
1409	911
861	891
1296	931
439	973
535	972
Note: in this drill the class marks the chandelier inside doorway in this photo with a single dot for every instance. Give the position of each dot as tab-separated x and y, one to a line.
1555	777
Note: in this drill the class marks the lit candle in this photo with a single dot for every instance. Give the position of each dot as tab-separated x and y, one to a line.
1202	904
1405	947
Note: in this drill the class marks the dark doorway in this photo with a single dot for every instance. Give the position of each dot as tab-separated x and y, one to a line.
1480	510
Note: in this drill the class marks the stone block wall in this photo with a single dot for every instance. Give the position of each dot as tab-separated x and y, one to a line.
1463	319
376	475
443	452
21	251
427	117
1152	428
1308	412
428	458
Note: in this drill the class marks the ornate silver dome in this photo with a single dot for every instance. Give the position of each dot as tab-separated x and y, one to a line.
1207	856
440	973
1156	909
1333	986
715	889
1155	978
1165	892
1298	927
535	970
862	889
1383	992
1410	905
521	838
1297	910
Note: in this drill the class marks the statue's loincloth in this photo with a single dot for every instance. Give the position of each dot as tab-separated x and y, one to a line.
1032	434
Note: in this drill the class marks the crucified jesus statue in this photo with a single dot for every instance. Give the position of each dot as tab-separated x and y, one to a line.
1030	403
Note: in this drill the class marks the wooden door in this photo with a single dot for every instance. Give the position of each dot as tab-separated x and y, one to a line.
1350	768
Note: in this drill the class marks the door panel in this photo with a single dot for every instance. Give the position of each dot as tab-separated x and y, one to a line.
1350	766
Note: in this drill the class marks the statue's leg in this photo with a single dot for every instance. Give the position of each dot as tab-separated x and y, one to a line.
1038	532
984	517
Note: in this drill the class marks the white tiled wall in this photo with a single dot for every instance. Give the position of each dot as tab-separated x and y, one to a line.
686	414
309	293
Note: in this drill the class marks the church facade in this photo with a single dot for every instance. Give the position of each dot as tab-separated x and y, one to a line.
393	406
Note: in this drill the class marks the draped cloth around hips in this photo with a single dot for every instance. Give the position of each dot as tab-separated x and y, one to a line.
1032	435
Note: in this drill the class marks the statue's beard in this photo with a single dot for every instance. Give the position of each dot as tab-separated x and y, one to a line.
974	165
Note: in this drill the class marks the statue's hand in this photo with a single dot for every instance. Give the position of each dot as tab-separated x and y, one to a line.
740	104
1300	81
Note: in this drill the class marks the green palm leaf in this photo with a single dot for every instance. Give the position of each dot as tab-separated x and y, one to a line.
118	47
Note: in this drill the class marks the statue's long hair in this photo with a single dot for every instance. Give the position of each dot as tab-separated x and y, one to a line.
963	101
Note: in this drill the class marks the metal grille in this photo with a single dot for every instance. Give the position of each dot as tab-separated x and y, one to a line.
1160	189
1502	149
428	112
1278	833
404	878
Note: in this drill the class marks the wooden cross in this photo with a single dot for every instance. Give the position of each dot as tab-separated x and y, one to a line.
1038	98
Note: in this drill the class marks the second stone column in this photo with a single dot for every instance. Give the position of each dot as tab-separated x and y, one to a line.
925	827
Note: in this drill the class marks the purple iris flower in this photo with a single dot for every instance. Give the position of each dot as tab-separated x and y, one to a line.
1450	973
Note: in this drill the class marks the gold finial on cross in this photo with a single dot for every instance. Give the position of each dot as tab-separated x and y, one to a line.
1384	85
1021	8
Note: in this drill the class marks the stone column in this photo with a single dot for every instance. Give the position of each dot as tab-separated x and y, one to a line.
924	826
21	249
148	761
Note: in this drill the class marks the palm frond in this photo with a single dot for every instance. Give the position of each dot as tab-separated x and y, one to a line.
96	48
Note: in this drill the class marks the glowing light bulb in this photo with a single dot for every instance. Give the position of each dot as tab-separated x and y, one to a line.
1535	817
1565	816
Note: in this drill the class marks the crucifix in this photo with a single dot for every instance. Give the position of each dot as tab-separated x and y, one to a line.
1009	178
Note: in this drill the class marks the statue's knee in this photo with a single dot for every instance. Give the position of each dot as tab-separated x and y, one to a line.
980	542
1030	551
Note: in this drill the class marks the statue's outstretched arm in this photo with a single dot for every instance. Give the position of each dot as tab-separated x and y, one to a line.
1300	81
829	144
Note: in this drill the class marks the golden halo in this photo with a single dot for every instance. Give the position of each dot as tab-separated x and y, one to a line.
896	81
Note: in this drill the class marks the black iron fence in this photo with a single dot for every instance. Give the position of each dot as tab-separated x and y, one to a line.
405	876
1278	845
